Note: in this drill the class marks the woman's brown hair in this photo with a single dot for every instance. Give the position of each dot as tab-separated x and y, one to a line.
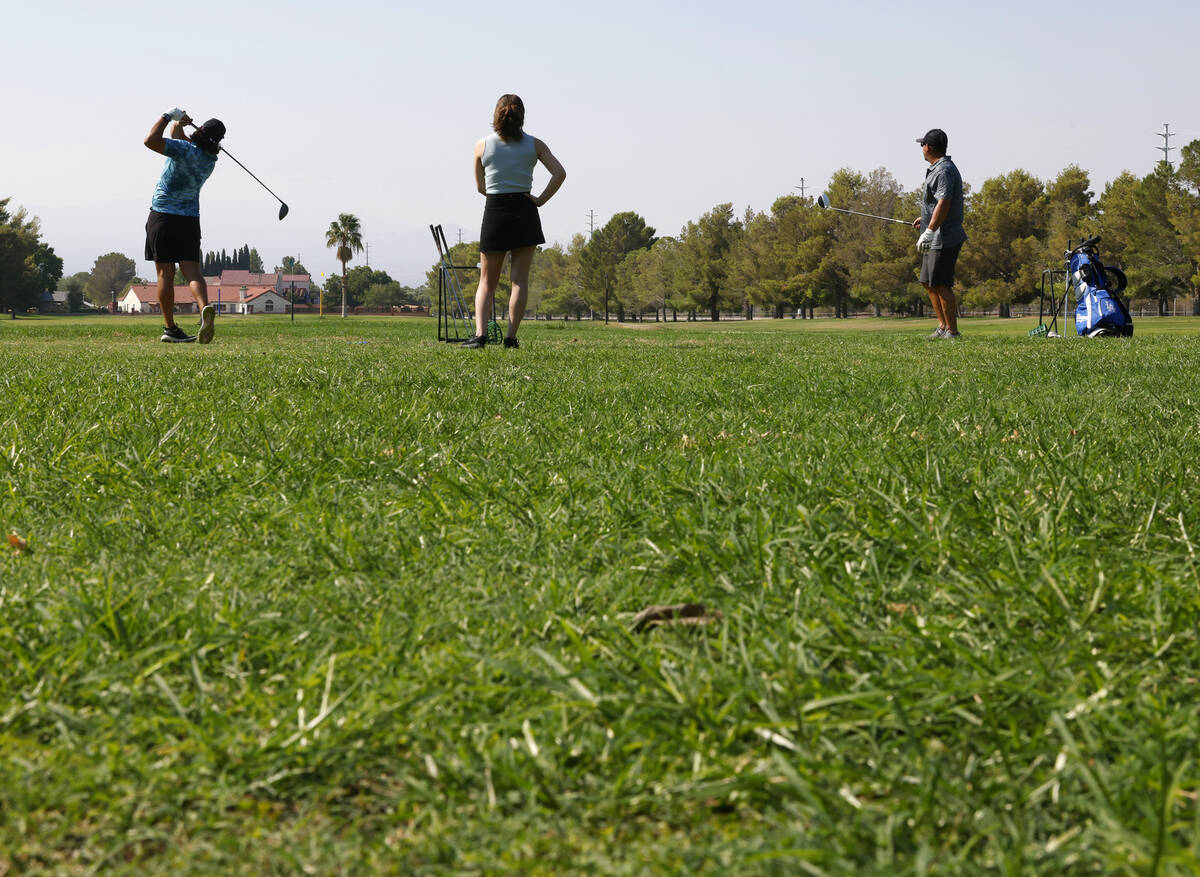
509	118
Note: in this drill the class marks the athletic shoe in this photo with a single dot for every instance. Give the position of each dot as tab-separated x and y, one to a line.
511	342
208	316
952	335
937	333
175	335
475	342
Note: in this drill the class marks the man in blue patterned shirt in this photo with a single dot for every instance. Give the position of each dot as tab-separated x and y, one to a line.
173	228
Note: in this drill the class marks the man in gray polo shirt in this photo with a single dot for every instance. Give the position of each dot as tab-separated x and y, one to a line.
942	234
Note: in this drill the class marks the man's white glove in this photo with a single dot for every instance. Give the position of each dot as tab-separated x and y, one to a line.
925	241
175	115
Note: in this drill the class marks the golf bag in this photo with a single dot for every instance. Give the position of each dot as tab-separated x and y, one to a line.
1099	309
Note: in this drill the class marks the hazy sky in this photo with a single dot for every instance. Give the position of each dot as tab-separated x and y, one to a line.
664	108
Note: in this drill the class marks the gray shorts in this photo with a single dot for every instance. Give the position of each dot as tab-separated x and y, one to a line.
937	267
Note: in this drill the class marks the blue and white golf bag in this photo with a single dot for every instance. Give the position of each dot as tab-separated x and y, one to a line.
1098	306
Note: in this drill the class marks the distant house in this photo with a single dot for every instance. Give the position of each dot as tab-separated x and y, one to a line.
142	298
248	300
233	292
54	302
281	283
265	301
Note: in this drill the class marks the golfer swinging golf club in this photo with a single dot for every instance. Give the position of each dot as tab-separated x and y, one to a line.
504	162
173	228
942	234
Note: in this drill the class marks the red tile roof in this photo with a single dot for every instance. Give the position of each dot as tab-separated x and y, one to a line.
230	277
253	292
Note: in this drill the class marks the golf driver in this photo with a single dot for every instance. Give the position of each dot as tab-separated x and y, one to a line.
283	208
823	202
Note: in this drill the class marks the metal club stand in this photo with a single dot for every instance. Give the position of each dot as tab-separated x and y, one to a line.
453	314
1051	303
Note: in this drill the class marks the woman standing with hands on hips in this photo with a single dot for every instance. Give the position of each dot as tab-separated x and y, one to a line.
504	163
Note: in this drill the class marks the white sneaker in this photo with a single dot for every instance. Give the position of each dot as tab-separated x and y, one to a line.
208	316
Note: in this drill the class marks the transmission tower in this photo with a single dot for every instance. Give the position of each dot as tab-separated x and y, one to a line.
801	187
591	222
1166	148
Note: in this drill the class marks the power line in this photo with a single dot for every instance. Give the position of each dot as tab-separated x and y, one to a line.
1166	148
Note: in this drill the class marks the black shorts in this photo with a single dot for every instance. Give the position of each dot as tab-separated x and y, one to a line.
937	267
510	222
172	238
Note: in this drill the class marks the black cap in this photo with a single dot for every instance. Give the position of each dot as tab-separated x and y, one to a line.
213	129
935	139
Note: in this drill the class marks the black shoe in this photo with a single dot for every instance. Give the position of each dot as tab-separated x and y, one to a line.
175	335
474	342
511	342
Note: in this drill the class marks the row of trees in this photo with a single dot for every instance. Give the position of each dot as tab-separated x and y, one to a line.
796	258
110	277
29	266
243	259
363	286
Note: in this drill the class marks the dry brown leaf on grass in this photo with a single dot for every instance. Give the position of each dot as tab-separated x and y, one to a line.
676	615
18	545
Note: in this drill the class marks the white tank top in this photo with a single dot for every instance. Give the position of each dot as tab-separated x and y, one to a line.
508	167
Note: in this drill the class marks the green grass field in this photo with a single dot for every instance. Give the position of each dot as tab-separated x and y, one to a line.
329	597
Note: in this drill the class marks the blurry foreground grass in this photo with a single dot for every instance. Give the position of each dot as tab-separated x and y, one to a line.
331	597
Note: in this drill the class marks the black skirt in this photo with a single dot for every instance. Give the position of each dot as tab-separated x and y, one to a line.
172	238
510	222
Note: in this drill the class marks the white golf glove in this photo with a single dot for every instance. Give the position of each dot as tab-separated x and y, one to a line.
925	241
175	115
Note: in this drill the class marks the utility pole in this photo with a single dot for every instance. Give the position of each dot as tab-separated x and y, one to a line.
368	248
1166	148
460	235
591	222
801	187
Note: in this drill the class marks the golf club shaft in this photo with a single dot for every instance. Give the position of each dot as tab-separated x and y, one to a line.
256	179
246	169
871	216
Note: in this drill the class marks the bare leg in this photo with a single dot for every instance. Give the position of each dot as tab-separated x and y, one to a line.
936	300
489	279
522	260
194	274
166	292
949	306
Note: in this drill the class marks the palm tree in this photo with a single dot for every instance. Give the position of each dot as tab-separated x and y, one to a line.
345	234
